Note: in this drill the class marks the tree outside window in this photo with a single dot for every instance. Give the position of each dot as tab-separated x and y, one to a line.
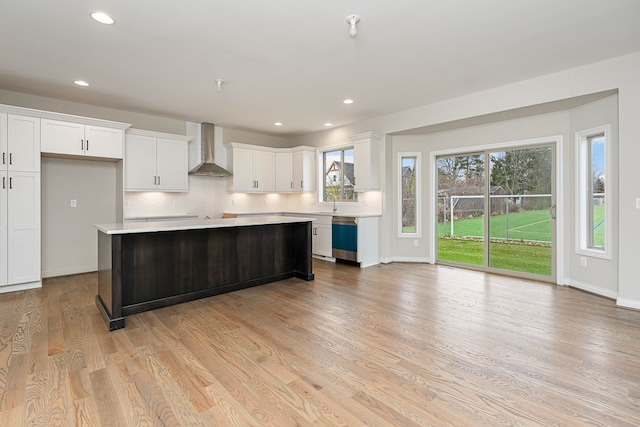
409	193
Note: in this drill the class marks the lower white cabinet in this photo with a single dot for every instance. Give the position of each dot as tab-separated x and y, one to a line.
322	240
19	228
156	162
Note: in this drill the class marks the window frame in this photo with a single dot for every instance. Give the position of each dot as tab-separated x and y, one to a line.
418	196
584	192
322	176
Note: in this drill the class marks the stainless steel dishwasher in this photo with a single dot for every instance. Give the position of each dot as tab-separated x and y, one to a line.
344	238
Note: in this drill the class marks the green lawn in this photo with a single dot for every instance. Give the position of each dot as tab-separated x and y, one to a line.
510	256
528	226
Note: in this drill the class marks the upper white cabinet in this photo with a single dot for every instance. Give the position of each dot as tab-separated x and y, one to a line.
284	172
258	169
20	144
303	169
367	155
77	139
156	161
253	168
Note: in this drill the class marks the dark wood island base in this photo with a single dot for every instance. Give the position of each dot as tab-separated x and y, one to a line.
140	271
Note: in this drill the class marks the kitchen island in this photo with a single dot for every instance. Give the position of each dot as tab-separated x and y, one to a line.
148	265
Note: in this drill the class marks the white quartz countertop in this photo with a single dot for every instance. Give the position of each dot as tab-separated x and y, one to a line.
195	224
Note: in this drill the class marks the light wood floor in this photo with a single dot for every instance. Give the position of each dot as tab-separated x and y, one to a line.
396	344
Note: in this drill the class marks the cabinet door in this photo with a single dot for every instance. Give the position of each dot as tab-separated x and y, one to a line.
264	171
172	165
323	240
23	141
243	170
140	163
103	142
23	224
303	168
62	137
4	149
4	185
284	172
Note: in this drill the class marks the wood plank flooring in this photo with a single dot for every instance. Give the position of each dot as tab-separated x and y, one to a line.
389	345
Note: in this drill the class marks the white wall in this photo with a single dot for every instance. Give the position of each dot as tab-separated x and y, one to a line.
619	74
69	239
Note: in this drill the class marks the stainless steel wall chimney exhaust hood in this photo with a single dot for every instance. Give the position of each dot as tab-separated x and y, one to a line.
207	166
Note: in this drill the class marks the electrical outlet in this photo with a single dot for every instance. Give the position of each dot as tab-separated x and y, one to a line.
638	203
415	243
583	261
74	203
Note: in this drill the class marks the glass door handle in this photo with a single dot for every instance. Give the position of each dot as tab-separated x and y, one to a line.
552	211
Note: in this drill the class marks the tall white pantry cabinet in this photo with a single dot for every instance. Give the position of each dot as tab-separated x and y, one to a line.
19	202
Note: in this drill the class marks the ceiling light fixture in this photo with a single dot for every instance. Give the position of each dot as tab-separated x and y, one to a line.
328	124
219	85
348	101
278	124
352	20
81	83
102	18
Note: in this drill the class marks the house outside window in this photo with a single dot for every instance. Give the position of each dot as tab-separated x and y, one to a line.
338	166
409	214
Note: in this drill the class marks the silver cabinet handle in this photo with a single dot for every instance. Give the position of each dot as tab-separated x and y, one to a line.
292	185
4	182
10	158
10	183
301	186
158	179
87	145
155	180
82	144
4	155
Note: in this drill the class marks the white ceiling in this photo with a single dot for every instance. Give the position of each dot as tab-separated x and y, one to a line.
293	60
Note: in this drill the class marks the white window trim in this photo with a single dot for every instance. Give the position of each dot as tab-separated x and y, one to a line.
418	232
583	172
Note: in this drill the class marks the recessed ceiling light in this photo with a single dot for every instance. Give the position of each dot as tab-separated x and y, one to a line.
348	101
102	18
81	83
278	124
328	124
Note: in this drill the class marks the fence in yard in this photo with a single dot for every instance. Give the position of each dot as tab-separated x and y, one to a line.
534	227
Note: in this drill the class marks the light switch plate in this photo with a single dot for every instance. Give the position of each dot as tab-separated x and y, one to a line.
638	203
74	203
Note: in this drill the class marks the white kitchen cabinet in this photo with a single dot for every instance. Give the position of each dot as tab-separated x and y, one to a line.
367	155
156	161
303	169
19	202
254	170
322	238
284	172
77	139
21	143
23	227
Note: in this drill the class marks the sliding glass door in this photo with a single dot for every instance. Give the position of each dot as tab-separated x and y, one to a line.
496	210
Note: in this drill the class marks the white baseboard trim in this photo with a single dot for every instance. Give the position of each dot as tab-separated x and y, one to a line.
324	258
20	287
628	303
410	259
68	271
608	293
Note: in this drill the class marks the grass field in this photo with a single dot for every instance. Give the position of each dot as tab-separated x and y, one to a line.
528	225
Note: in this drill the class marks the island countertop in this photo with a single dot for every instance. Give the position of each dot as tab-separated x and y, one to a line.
195	224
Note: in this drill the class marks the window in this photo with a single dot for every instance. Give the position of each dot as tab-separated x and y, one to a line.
409	193
593	186
338	166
